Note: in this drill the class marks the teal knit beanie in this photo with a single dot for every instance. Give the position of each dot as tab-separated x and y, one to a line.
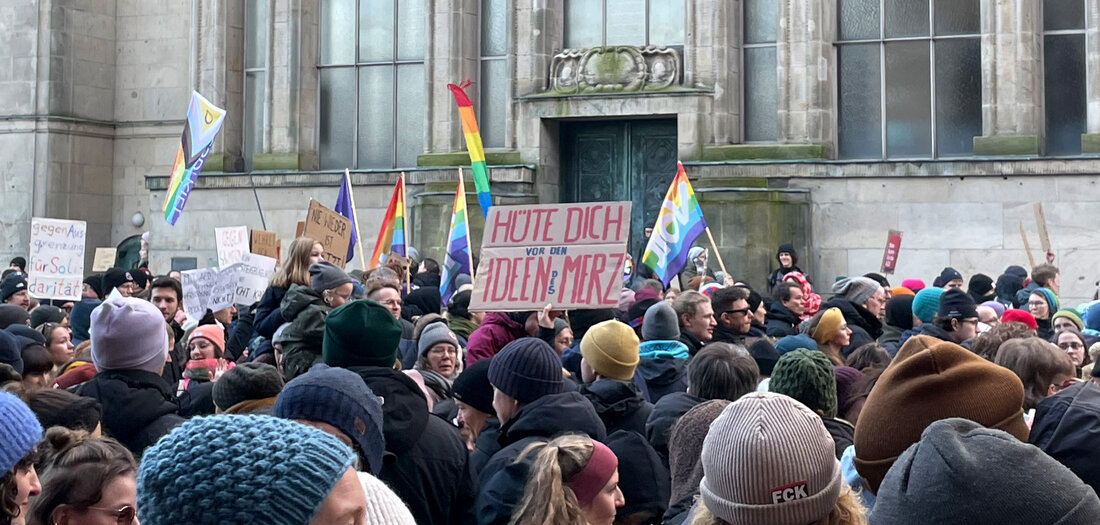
808	377
926	303
361	333
1052	300
231	469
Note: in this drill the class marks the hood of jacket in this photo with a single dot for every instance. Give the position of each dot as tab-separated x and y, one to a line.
856	315
613	398
778	312
551	415
297	299
662	350
404	408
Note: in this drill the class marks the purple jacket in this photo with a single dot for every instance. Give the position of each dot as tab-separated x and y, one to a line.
496	330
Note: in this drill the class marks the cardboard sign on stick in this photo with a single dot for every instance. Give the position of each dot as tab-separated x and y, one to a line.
265	243
56	265
1040	219
330	229
104	259
232	244
568	255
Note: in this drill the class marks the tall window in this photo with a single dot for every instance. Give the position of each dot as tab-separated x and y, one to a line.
909	82
760	99
591	23
373	93
256	45
1064	75
493	102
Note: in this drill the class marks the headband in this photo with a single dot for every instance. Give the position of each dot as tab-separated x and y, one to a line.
587	483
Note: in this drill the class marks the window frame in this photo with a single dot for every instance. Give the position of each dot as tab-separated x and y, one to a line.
506	58
881	42
1043	34
248	134
603	24
741	72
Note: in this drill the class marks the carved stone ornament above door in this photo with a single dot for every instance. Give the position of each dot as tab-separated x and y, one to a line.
614	69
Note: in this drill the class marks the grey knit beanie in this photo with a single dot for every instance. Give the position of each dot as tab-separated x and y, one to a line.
856	289
660	323
958	463
434	334
323	275
768	460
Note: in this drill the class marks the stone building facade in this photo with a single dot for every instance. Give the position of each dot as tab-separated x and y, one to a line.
819	122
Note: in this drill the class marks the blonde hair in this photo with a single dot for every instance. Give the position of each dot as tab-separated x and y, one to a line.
847	511
295	269
547	500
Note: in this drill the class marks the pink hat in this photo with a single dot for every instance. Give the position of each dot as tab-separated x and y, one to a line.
913	284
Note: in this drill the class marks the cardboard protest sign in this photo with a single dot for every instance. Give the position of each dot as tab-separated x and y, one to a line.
198	285
265	243
890	255
256	271
232	243
1041	222
104	259
56	266
330	229
568	255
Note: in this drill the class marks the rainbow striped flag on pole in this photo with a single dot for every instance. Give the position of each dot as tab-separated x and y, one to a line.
204	120
391	239
679	223
457	260
473	145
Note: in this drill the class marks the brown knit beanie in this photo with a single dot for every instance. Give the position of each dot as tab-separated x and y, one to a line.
912	346
931	384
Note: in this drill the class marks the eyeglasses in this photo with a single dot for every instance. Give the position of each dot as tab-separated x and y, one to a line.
1073	344
742	311
442	351
974	320
123	516
1037	304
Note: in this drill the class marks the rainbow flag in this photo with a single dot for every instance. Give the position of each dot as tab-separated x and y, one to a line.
679	223
204	120
457	260
473	144
391	239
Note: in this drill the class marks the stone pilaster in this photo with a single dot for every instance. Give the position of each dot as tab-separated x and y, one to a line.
711	62
290	137
218	73
804	56
453	52
1011	78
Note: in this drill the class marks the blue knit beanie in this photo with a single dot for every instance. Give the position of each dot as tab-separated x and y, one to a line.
791	343
526	369
340	398
239	469
926	303
19	431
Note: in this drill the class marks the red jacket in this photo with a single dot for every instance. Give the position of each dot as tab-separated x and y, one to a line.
496	330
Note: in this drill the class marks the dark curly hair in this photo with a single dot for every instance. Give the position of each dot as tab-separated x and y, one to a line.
9	507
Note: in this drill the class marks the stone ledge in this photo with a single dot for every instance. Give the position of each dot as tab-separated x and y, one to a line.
1001	145
276	161
1090	143
462	158
507	176
764	152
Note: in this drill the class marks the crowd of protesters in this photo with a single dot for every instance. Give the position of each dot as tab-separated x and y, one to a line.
363	398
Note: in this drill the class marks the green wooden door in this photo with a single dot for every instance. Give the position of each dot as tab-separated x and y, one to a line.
626	160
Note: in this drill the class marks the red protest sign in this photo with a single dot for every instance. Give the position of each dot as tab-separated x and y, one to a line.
890	255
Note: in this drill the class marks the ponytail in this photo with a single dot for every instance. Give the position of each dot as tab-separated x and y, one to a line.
548	500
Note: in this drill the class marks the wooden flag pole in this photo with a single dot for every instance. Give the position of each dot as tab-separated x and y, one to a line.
405	210
469	242
716	254
1027	247
355	217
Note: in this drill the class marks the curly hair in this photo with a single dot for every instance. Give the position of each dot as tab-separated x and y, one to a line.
9	507
987	344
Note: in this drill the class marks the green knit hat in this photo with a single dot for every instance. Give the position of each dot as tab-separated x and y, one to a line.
1072	315
808	377
361	333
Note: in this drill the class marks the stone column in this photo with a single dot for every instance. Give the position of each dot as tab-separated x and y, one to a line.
804	60
1011	78
711	61
1090	141
290	140
453	52
219	76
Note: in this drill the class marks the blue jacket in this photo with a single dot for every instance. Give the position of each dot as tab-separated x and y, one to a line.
662	369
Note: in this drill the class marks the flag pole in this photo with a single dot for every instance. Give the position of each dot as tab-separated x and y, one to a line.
469	243
716	254
408	230
355	217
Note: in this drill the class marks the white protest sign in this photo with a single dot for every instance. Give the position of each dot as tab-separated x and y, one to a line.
197	287
256	270
56	268
225	288
232	243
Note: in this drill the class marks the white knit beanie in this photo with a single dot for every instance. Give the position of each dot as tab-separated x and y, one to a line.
768	460
128	334
383	506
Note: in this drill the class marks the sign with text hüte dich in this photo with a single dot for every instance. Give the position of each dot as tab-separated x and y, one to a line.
330	229
56	266
568	255
890	255
232	244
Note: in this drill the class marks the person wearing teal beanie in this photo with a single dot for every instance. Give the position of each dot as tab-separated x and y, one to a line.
926	303
1042	303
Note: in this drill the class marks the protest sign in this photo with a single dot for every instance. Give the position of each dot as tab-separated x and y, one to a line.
198	285
330	229
232	243
568	255
265	243
255	272
890	255
225	287
56	266
104	259
1041	222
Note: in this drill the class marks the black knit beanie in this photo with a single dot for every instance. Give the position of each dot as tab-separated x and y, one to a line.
526	369
899	311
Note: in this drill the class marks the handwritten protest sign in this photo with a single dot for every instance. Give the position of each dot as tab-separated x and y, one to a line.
104	259
265	243
568	255
256	270
232	244
225	287
890	255
56	268
209	288
330	229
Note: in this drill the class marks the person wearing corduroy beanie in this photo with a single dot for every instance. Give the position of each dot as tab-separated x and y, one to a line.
529	400
961	472
129	349
662	357
610	355
767	459
19	435
430	468
927	383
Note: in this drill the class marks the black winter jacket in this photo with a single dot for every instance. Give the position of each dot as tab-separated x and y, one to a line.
268	317
666	413
620	405
1066	425
659	377
866	328
781	321
139	407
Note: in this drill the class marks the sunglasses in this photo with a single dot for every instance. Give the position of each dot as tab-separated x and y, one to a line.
743	311
123	516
